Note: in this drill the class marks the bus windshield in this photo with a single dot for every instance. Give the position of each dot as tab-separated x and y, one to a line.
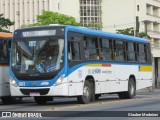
37	55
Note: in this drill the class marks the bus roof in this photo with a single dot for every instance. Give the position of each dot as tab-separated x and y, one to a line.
85	30
106	34
5	35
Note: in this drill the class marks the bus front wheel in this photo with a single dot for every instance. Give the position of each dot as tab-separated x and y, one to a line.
86	97
6	100
11	100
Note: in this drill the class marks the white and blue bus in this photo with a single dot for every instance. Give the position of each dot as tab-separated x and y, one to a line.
51	61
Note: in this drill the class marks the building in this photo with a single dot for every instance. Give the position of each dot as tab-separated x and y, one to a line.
91	12
111	14
121	14
25	11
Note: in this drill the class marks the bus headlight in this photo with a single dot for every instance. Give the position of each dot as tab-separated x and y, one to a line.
60	80
12	81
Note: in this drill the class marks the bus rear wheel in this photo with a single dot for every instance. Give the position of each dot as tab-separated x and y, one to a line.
131	91
86	97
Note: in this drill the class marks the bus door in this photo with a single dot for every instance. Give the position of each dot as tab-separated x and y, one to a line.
74	59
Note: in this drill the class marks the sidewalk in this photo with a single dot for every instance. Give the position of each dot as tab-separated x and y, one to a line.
149	91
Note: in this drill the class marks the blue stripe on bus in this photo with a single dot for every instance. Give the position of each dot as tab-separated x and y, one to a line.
105	34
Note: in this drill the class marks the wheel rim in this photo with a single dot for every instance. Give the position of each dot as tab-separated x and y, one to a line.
86	92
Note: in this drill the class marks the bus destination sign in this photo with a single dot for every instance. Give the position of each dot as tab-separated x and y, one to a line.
38	33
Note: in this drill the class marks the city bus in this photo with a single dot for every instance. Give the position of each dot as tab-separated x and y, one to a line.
5	44
69	61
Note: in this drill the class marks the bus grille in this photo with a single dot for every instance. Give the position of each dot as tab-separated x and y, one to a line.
41	91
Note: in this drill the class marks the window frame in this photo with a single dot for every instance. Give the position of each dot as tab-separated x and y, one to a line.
100	49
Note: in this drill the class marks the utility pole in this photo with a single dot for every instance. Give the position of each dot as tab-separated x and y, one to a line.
137	26
145	26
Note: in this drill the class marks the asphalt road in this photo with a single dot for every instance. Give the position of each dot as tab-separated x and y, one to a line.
107	107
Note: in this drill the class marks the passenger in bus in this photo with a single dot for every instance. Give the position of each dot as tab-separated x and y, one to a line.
101	56
86	53
96	57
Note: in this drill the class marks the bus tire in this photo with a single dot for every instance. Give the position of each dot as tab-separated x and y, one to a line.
93	97
131	89
86	97
16	100
6	100
40	100
11	100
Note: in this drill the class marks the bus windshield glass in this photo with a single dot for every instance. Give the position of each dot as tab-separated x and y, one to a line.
37	55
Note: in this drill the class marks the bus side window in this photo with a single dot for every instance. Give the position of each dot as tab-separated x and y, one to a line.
119	49
106	52
137	51
114	50
148	53
93	48
142	53
75	50
111	49
86	52
130	51
91	45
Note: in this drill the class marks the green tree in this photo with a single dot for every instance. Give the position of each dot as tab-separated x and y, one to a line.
144	35
130	31
49	17
127	31
5	23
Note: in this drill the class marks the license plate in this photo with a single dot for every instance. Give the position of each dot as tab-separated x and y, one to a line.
34	94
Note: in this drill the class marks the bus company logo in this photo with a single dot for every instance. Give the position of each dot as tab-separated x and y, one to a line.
6	114
94	71
107	71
